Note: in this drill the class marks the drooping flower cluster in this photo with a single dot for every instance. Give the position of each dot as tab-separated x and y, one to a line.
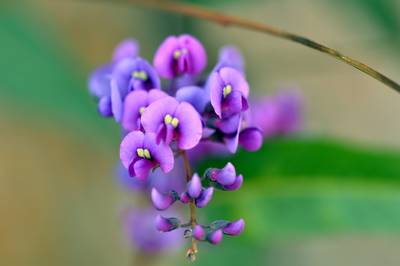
162	124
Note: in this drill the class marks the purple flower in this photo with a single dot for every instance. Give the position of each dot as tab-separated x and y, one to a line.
251	138
166	224
141	233
215	237
229	91
135	74
140	153
231	140
135	104
225	178
236	185
171	120
179	55
194	95
163	201
99	80
128	75
234	228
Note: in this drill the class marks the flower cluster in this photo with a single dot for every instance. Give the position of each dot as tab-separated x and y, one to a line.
162	123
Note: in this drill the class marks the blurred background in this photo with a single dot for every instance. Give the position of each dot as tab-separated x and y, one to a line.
328	196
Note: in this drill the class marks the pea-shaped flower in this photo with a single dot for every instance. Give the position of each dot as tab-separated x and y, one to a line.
179	55
135	104
228	91
171	120
140	153
99	80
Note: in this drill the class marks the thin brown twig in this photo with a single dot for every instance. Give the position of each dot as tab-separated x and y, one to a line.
230	20
191	253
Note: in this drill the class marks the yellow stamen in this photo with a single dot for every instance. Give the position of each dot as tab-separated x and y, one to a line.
140	152
177	54
227	90
167	119
141	110
147	154
175	122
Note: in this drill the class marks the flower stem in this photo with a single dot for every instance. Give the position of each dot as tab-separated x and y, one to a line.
223	19
189	173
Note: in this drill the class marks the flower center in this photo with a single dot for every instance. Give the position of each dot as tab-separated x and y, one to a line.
227	90
141	110
140	75
143	153
168	119
179	52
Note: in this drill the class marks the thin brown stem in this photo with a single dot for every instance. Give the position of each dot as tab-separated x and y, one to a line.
230	20
193	221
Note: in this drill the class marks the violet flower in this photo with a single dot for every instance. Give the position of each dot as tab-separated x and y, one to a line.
230	56
229	91
171	120
135	104
225	178
99	80
140	153
178	55
128	75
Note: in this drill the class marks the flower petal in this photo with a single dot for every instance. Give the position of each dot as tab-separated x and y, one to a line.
116	101
163	58
126	48
132	104
142	168
204	197
196	52
161	153
235	79
154	114
215	85
104	106
194	95
128	147
251	138
194	187
230	56
234	228
99	81
190	127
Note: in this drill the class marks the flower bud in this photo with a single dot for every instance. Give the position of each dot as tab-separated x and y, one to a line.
166	224
204	197
215	237
104	106
251	139
185	198
198	232
234	228
236	185
162	201
194	187
225	176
